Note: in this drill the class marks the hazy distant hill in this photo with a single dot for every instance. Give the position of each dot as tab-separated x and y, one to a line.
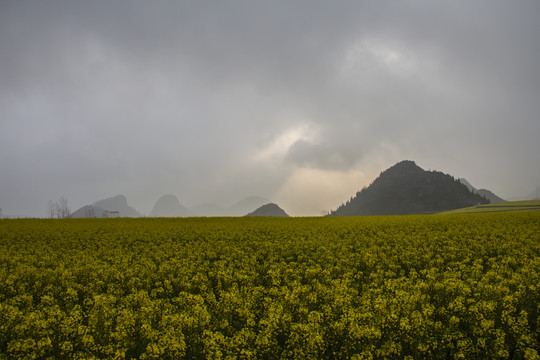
169	206
88	211
247	205
535	195
405	188
240	208
493	199
116	203
208	209
269	210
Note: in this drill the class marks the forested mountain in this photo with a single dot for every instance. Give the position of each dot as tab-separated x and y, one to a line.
405	188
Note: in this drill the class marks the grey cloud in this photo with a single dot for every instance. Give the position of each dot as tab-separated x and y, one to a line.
321	156
97	97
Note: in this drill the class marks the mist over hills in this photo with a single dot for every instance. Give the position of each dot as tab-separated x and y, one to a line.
488	194
535	195
246	205
493	199
89	211
405	188
169	206
118	203
239	208
209	209
100	208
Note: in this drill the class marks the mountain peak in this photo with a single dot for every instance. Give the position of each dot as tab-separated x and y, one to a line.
270	209
169	206
406	188
405	164
118	204
403	168
112	203
493	199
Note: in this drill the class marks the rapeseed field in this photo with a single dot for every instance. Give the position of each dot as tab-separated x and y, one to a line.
431	287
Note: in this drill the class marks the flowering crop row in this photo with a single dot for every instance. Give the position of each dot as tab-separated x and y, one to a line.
439	286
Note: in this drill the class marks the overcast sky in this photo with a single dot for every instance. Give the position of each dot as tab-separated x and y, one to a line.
302	102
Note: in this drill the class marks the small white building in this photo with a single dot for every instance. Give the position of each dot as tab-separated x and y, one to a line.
111	214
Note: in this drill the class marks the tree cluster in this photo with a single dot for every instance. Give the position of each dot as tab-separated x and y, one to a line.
58	209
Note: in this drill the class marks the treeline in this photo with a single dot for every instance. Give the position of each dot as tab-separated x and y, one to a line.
255	288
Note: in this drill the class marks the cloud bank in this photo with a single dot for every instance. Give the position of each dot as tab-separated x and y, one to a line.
302	102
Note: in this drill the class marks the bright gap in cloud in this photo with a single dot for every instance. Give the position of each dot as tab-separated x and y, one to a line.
314	192
280	145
